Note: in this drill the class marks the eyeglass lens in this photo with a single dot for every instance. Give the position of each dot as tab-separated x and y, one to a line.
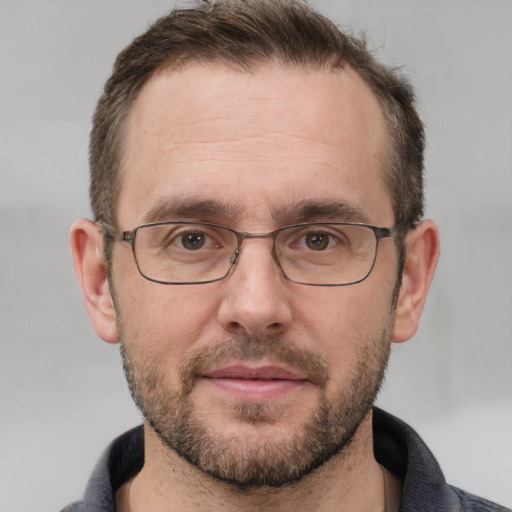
323	254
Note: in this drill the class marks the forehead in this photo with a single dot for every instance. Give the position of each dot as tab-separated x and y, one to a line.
253	140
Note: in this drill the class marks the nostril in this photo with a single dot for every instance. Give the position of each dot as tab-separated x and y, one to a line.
235	327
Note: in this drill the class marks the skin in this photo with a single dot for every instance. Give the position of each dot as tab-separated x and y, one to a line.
262	143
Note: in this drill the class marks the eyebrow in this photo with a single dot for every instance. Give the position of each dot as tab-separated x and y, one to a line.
309	211
168	209
172	208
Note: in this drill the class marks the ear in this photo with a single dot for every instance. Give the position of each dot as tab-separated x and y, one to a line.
87	249
422	253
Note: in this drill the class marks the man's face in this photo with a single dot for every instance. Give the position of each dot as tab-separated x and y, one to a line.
254	379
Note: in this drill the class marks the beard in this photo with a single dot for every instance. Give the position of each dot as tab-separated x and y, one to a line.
256	460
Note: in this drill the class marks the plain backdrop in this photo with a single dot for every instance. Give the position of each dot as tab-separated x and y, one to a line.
62	392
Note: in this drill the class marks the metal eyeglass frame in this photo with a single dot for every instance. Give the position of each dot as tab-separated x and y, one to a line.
129	237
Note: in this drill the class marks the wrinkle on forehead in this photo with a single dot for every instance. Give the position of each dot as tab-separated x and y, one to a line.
255	109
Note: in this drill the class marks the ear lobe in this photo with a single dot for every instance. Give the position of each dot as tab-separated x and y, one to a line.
87	249
422	254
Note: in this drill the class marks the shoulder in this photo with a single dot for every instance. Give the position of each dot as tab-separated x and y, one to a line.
424	488
471	503
77	506
122	459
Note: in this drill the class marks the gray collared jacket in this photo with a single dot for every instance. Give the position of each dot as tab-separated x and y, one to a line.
397	447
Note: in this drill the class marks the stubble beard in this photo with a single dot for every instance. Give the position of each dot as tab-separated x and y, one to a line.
256	461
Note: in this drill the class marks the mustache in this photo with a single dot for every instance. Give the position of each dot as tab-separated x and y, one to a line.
246	348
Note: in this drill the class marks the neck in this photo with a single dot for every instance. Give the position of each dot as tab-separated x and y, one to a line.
351	481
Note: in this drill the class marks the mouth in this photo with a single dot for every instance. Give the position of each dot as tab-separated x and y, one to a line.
255	384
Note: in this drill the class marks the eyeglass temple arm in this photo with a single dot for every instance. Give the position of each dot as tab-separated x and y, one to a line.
124	236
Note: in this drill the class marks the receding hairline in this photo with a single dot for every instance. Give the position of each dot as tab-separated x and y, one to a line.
220	65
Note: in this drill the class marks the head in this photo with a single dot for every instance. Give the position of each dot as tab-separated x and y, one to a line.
255	115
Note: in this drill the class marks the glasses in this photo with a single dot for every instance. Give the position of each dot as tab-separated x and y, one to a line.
313	253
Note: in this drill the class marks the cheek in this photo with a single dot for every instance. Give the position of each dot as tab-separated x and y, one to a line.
345	311
165	322
341	322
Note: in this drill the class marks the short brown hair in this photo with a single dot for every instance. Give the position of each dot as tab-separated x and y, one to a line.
245	34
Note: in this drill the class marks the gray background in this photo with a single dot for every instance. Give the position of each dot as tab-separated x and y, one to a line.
62	393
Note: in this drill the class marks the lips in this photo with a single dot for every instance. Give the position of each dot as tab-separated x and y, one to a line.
258	373
255	384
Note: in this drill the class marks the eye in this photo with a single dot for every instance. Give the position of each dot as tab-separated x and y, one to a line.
185	240
192	240
317	241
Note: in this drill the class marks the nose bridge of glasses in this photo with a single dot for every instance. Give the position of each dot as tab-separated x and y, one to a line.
243	236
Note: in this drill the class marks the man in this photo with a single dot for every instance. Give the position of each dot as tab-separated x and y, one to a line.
258	243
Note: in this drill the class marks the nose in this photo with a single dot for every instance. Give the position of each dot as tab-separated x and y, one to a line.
256	296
